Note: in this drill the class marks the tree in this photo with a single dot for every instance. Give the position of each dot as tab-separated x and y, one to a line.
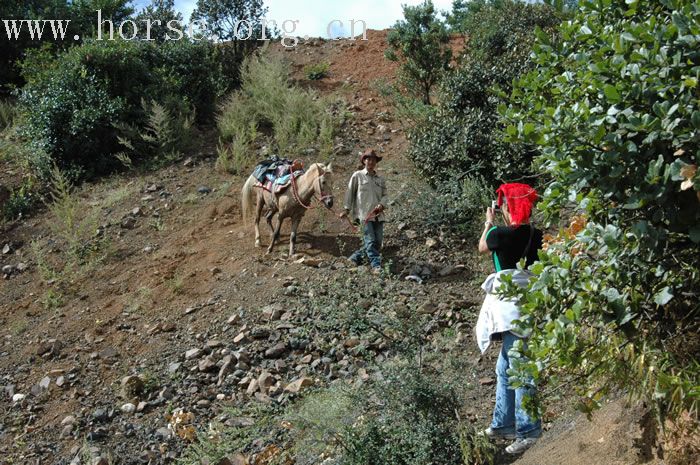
462	135
421	43
160	13
239	23
613	107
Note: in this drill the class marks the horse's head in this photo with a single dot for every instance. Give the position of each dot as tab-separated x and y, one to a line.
324	184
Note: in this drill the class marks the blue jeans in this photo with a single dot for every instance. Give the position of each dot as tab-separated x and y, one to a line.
373	234
508	414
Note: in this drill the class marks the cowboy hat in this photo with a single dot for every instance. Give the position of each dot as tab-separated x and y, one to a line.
369	153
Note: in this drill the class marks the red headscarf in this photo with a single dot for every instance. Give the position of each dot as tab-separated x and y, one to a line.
520	199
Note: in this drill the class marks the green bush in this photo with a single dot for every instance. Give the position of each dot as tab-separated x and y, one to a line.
406	419
73	105
317	71
462	135
613	107
295	120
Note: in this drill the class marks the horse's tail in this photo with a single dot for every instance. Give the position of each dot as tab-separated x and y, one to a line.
248	196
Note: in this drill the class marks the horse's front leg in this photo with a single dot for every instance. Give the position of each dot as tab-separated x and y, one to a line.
293	236
276	234
258	213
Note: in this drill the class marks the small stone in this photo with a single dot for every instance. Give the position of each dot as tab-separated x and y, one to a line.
69	420
132	386
18	397
8	269
141	406
431	243
204	190
276	351
21	267
60	381
233	319
352	342
297	385
192	354
128	408
108	353
136	211
252	387
213	344
207	364
67	431
486	381
6	249
411	234
129	223
265	380
239	338
45	383
173	367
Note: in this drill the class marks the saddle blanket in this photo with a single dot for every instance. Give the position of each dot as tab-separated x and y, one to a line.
278	185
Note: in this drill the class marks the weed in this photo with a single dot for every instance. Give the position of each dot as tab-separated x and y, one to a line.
8	111
476	448
52	300
157	224
18	327
176	284
293	119
317	71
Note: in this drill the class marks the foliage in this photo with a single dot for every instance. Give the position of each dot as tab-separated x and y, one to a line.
159	10
239	25
71	112
163	140
461	136
317	71
81	14
407	418
613	108
456	205
297	121
8	111
420	42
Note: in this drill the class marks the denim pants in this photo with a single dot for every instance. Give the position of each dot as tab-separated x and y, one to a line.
373	235
508	414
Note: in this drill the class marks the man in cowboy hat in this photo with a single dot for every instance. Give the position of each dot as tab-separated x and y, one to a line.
364	203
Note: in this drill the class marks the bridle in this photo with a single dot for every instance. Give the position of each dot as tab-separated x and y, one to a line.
317	188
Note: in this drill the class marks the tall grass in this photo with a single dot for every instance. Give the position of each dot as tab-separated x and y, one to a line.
293	121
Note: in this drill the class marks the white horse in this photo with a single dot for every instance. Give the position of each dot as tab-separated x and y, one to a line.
292	203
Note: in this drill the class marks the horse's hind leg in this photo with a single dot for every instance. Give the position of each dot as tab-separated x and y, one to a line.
276	233
268	217
293	236
258	213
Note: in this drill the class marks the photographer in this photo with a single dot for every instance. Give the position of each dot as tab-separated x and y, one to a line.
508	244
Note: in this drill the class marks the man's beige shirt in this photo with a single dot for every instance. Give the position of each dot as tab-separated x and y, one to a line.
365	191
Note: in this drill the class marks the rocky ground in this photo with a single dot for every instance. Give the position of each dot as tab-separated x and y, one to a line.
178	322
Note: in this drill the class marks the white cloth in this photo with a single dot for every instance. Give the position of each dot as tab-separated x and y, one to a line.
497	314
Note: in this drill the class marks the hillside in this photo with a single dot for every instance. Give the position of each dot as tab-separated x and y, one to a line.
212	326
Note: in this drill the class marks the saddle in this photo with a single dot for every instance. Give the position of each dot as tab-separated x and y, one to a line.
274	174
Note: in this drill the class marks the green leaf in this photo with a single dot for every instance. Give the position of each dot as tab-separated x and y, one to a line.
663	297
611	93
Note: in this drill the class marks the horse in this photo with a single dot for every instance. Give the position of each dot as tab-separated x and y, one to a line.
292	202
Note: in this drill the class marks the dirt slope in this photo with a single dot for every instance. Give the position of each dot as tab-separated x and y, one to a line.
182	274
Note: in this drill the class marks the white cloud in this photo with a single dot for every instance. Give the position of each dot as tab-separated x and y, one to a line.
314	16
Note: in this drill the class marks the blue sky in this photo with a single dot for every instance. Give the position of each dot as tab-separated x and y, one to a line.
315	15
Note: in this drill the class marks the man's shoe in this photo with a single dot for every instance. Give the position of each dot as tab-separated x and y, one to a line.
495	434
520	445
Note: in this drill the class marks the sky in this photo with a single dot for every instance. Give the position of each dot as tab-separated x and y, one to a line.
314	16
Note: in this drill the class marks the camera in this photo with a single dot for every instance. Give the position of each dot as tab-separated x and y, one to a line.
494	205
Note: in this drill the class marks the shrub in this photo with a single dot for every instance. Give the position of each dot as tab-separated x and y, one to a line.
317	71
73	106
455	205
8	111
406	419
163	140
462	135
613	107
295	120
